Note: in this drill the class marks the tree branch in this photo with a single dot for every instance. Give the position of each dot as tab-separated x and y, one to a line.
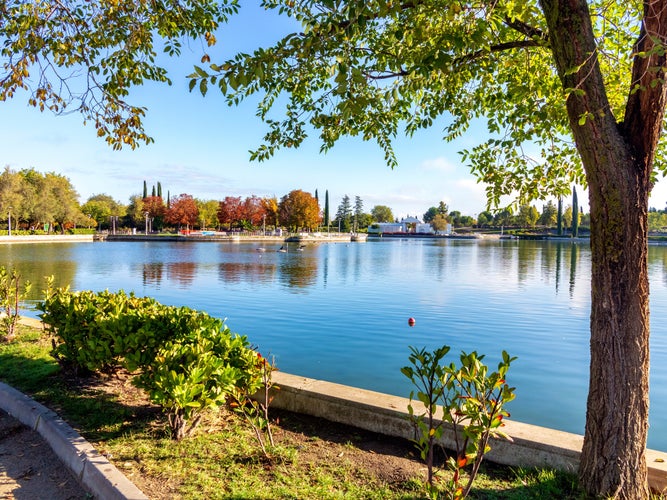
644	112
501	47
526	29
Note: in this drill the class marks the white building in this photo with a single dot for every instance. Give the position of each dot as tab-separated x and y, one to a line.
407	225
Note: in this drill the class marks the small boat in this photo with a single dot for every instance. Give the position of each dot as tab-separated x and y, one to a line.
282	250
261	249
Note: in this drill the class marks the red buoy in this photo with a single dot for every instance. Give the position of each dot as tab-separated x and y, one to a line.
411	322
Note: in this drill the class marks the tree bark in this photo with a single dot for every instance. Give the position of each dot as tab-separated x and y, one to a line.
618	160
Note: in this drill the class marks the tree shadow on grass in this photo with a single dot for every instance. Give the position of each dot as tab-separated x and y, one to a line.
102	407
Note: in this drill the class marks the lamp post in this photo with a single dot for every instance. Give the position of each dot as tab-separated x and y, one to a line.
9	221
264	224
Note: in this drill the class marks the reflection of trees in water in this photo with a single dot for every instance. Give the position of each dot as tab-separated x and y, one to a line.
549	263
35	263
550	257
657	261
559	263
293	269
37	273
182	272
251	272
574	253
298	271
152	273
527	260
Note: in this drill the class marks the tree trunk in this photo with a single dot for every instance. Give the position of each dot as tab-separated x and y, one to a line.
613	461
618	160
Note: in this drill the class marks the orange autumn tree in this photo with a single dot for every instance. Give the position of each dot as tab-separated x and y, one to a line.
183	211
299	209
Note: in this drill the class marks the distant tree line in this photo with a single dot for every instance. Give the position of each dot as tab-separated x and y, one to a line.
37	201
48	201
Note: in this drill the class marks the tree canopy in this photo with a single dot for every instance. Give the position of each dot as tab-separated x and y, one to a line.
369	68
299	209
40	200
46	46
382	213
183	211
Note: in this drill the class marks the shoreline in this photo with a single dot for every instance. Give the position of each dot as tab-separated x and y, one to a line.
48	238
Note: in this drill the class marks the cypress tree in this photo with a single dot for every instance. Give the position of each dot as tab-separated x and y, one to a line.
317	197
145	190
153	193
159	190
326	209
560	216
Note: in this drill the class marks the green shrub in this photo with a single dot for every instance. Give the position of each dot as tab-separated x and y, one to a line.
10	298
471	401
197	373
92	330
186	360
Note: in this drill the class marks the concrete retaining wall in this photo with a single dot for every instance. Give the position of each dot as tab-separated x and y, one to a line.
531	446
43	238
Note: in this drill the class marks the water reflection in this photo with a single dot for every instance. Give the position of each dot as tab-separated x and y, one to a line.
181	273
298	272
657	261
574	252
36	263
152	273
247	272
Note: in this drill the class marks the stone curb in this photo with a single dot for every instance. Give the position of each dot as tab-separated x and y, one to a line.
531	445
93	470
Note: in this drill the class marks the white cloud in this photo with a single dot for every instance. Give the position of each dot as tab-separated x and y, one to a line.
440	164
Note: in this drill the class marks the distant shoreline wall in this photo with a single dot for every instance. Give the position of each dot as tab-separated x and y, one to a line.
48	238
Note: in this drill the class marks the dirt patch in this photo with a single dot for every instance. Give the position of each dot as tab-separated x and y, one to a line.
29	470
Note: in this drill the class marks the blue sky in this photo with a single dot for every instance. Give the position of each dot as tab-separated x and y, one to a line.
201	148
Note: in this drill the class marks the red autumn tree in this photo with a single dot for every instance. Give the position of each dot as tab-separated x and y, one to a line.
154	206
182	211
229	211
253	210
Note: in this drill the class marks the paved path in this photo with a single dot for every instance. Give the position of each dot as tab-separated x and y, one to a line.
29	470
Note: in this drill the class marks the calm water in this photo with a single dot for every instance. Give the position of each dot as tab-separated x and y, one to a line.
339	312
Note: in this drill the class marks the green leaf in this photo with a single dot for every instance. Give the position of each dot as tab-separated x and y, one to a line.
201	72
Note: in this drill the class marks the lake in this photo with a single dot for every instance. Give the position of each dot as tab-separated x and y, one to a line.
339	311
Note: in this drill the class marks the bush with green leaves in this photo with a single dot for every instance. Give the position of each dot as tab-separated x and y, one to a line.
198	372
187	361
253	404
11	296
94	330
471	402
